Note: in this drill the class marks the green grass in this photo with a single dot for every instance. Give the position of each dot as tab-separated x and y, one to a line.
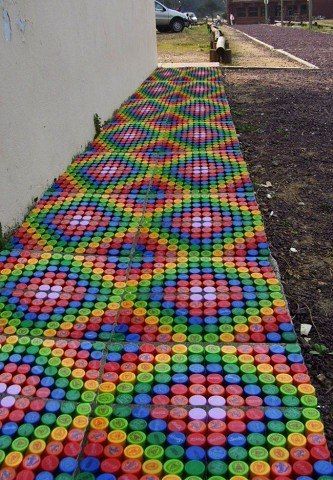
191	40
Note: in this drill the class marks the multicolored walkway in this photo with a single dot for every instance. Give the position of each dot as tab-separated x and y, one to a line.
144	332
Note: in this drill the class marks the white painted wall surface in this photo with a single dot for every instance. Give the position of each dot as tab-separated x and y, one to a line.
61	62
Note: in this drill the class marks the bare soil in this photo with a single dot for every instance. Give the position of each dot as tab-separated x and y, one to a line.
285	123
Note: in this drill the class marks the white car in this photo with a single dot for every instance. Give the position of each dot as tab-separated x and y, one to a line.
168	19
192	18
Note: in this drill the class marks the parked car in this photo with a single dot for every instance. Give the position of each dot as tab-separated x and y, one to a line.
192	18
168	19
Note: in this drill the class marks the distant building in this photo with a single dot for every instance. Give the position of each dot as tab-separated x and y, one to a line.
249	11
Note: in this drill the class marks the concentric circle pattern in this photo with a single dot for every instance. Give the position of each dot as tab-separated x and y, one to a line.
144	333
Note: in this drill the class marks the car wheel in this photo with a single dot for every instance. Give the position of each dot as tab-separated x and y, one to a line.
177	25
163	28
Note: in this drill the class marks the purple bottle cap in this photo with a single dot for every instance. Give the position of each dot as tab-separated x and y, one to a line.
7	402
196	297
209	289
197	414
197	400
3	387
14	390
195	289
216	401
216	413
210	296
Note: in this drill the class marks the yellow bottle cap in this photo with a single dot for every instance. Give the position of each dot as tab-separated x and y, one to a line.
107	387
81	422
37	446
118	437
99	423
306	389
162	358
314	426
152	467
179	349
127	377
279	454
296	440
145	367
260	468
134	452
59	434
13	459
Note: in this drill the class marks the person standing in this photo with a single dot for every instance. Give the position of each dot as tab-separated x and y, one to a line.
232	19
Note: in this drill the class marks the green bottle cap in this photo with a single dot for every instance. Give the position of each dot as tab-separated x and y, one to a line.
48	418
64	420
237	453
85	409
105	399
136	438
5	442
195	467
137	424
292	413
217	467
118	423
290	401
173	467
174	451
155	452
42	432
288	389
20	444
255	439
310	414
258	453
67	407
309	401
275	426
156	438
238	468
25	430
270	390
276	440
295	426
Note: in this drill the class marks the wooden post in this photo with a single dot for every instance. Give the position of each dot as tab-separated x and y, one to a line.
266	11
310	13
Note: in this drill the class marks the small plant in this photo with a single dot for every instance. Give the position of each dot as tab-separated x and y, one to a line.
320	349
2	240
97	124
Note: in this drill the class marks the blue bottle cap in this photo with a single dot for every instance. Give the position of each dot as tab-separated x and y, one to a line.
44	476
236	440
217	453
157	425
89	464
195	453
52	406
176	438
252	389
9	428
323	467
142	399
32	417
272	413
68	465
272	401
255	426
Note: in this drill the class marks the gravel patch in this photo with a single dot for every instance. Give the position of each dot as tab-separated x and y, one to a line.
314	47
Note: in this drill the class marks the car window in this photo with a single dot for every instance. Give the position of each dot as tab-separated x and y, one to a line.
159	7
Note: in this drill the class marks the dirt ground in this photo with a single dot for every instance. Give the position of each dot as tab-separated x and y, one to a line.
190	46
285	123
246	53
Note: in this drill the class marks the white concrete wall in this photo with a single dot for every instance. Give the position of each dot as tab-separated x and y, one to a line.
61	61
